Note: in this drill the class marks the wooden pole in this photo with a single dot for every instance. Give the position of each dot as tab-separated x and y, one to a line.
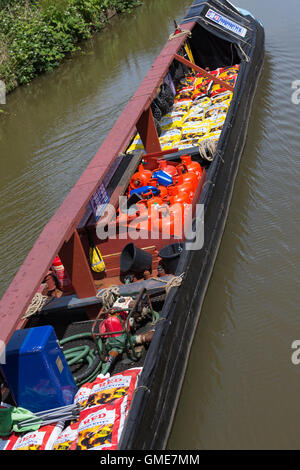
189	64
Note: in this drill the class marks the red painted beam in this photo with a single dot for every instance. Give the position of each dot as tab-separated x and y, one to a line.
148	133
74	259
204	72
160	154
61	227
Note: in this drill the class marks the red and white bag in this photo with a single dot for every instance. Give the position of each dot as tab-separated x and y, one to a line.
101	427
67	439
43	439
105	391
7	443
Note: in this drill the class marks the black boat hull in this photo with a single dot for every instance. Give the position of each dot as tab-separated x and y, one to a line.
152	411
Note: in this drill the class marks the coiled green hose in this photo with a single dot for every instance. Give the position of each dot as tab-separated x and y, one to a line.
92	355
84	353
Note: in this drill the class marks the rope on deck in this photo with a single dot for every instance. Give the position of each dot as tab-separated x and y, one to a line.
174	282
38	302
108	296
182	33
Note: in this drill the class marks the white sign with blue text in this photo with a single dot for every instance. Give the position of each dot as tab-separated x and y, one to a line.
226	23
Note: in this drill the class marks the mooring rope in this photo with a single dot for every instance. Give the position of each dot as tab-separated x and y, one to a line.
173	282
108	295
38	302
182	33
208	147
247	58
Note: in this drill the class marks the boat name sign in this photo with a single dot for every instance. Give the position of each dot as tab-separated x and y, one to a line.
226	23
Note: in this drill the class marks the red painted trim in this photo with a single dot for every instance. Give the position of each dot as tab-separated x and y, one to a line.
64	222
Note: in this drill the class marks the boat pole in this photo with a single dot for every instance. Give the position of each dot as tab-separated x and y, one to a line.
189	64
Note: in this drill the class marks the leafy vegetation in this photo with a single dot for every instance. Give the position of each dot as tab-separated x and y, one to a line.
35	35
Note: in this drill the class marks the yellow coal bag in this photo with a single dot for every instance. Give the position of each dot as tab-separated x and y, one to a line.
136	144
222	98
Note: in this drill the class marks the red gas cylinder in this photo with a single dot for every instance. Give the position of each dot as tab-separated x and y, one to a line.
191	166
163	189
170	169
188	176
154	200
180	197
140	178
64	281
182	186
171	220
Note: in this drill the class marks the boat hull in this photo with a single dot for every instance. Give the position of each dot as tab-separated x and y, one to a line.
154	405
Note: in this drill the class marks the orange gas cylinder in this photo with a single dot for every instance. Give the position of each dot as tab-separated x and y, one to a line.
140	178
182	186
171	220
188	176
154	200
155	206
140	220
163	189
170	169
194	167
179	197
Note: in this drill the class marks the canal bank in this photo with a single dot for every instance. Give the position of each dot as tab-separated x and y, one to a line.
35	37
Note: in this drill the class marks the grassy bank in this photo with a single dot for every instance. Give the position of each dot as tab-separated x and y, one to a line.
35	35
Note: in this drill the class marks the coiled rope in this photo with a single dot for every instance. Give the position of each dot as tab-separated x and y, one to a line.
182	33
108	296
37	304
206	148
173	282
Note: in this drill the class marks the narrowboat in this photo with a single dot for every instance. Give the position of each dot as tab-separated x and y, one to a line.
112	290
